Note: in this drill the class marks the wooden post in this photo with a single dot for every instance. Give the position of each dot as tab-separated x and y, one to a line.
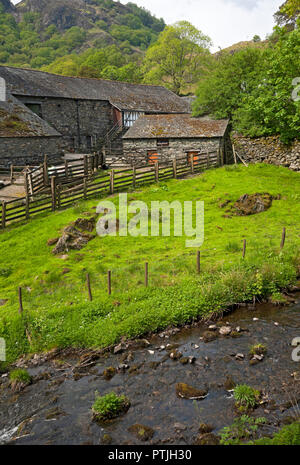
198	261
27	210
283	238
146	274
84	188
244	248
88	283
156	168
112	181
109	282
234	154
26	186
192	164
85	165
53	192
3	216
11	174
45	172
58	192
66	170
175	168
20	301
133	176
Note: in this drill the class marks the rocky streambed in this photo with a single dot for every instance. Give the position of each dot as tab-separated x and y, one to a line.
154	374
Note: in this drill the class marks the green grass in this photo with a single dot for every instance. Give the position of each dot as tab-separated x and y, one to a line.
57	310
109	406
246	396
20	376
287	436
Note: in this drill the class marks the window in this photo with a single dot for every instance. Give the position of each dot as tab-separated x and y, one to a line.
162	142
193	156
130	117
89	142
35	108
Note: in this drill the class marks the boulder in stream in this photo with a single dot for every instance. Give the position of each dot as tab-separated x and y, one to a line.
142	432
188	392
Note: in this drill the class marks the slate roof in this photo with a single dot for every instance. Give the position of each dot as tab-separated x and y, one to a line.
175	126
16	120
125	96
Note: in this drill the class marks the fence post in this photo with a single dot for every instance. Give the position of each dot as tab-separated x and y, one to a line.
112	181
3	216
198	261
192	164
20	301
146	274
88	283
175	168
53	192
133	176
11	174
85	165
45	172
244	248
234	154
66	170
84	188
109	282
156	168
58	191
283	238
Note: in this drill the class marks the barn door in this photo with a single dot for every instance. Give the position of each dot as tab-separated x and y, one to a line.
152	157
192	156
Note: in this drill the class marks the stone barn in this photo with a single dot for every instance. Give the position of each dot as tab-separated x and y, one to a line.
164	137
85	114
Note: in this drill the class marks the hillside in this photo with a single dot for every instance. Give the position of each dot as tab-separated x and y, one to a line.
36	32
55	298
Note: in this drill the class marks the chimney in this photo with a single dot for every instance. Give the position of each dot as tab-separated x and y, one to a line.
2	90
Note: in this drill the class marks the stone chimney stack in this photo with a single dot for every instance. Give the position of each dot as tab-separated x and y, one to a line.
2	90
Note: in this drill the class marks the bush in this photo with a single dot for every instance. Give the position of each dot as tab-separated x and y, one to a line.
19	376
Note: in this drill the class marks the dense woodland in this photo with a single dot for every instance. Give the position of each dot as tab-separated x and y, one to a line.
252	83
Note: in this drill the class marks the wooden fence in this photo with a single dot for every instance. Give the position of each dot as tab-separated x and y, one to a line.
63	195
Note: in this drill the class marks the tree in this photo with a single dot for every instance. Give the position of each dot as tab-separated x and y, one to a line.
177	58
256	38
270	108
228	79
287	14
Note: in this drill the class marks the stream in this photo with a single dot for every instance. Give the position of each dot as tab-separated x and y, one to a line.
56	408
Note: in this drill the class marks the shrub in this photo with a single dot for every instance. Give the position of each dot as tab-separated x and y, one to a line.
258	349
109	406
243	428
246	397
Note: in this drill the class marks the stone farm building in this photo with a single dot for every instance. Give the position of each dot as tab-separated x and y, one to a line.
43	113
164	137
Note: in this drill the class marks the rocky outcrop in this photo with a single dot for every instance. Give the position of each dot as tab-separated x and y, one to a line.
268	150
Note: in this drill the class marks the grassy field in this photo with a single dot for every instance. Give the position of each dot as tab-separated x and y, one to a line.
57	310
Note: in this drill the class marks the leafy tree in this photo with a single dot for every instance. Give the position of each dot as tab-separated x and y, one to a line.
270	108
227	80
177	58
287	14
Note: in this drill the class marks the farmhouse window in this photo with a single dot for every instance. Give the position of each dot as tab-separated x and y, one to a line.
162	142
130	117
35	108
152	156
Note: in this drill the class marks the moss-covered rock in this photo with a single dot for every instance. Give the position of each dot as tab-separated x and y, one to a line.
142	432
188	392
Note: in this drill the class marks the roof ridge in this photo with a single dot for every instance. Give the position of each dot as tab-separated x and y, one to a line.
87	79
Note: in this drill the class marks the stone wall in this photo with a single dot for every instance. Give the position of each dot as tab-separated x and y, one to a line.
268	150
30	150
136	150
83	123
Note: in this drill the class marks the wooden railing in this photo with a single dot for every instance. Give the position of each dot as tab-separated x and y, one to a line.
63	195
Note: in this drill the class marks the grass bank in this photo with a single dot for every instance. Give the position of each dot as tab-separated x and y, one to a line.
57	310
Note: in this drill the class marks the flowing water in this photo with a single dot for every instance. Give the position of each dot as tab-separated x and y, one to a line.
58	410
